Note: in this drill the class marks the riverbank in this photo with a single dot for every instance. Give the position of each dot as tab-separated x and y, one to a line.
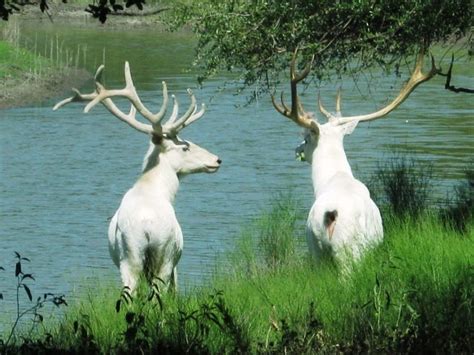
22	84
29	79
30	89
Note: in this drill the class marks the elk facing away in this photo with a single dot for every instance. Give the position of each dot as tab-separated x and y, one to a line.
145	237
343	221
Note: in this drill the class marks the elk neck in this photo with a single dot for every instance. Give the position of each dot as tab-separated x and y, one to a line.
160	181
329	158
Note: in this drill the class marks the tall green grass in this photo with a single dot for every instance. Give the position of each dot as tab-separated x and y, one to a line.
20	56
411	294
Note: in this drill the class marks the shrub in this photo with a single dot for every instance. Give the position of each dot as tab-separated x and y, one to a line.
460	208
402	185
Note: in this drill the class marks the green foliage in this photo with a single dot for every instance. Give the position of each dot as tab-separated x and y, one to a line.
32	310
412	294
256	38
459	210
14	61
402	185
271	241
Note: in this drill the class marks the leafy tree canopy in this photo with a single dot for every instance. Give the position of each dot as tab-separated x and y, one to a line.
257	37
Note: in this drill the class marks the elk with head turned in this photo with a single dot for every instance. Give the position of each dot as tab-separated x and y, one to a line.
344	220
145	237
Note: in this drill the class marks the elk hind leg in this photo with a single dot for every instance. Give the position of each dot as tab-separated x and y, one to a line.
174	280
130	274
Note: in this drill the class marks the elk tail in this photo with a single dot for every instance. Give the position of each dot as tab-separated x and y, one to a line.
330	222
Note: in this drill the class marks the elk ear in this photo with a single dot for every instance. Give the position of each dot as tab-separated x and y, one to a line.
314	128
349	127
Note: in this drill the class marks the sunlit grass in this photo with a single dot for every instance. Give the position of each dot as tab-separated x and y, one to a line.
412	293
14	61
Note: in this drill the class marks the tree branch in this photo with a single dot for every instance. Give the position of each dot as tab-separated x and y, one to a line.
448	85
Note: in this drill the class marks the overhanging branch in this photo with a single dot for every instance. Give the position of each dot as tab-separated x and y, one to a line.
448	85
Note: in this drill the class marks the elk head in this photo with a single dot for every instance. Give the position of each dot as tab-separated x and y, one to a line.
337	126
183	157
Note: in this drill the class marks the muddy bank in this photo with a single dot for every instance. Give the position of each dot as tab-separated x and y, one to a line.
31	90
74	14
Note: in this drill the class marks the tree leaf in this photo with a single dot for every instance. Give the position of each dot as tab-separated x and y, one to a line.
17	269
27	276
28	292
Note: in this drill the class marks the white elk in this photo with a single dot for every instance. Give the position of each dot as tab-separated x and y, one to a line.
344	220
145	237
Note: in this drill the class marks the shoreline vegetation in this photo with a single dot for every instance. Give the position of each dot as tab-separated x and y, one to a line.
411	294
20	86
28	78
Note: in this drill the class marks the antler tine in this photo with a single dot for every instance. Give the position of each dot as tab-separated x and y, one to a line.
325	112
195	116
130	119
77	97
297	112
417	77
104	96
277	106
159	116
338	102
176	124
331	117
130	93
296	77
96	97
174	113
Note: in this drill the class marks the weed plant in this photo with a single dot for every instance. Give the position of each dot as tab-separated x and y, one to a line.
459	210
19	57
273	240
33	310
401	186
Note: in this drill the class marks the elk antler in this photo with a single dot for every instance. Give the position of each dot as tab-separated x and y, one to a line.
297	113
103	95
417	77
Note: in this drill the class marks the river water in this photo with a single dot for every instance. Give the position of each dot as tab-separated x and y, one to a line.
63	173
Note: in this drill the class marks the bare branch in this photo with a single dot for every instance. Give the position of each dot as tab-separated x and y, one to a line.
448	76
